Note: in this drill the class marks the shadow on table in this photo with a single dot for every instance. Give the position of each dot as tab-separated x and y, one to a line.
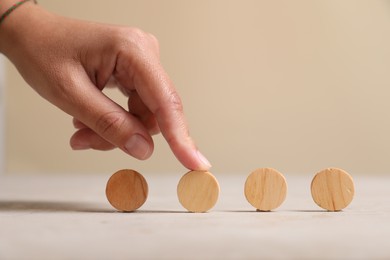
245	211
51	206
275	211
55	206
146	211
61	206
309	210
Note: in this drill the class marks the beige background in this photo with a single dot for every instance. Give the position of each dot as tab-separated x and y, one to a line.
294	85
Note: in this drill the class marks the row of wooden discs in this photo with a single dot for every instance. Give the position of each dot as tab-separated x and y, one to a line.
265	189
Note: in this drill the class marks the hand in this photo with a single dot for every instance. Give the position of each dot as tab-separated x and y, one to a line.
69	62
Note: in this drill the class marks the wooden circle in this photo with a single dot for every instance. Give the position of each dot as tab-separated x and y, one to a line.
198	191
332	189
127	190
265	189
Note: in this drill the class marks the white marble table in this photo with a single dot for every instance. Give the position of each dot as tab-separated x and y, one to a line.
68	217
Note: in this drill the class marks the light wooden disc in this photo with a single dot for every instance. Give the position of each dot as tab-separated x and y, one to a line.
332	189
265	189
127	190
198	191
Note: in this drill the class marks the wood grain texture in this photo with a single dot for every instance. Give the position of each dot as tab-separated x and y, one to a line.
127	190
332	189
198	191
265	189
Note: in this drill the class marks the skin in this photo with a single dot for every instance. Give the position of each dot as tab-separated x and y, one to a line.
68	62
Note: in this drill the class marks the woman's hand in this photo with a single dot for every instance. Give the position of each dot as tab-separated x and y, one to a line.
69	62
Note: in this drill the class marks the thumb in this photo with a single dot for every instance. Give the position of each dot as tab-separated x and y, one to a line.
110	121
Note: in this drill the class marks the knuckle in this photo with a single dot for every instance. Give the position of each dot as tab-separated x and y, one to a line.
135	39
136	36
109	124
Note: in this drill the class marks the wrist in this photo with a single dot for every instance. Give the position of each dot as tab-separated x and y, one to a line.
16	17
6	4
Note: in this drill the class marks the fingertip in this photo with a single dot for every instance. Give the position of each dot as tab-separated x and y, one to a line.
77	143
192	159
204	164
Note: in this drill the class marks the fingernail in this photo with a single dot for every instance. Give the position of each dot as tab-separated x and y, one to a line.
204	160
137	147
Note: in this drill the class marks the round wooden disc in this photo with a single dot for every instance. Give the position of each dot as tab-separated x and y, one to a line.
265	189
127	190
332	189
198	191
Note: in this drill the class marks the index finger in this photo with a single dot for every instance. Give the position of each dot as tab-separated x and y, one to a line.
160	96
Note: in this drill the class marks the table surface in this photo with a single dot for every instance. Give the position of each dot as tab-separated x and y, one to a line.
68	217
